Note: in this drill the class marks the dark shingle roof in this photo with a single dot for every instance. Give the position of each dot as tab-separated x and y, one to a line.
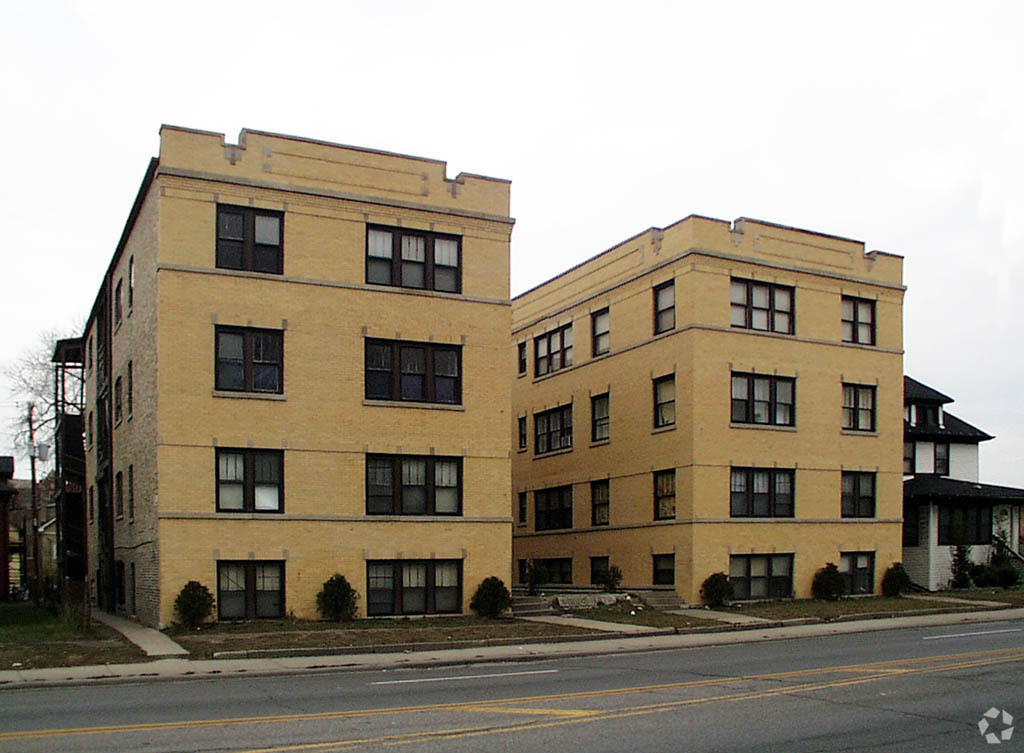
929	486
955	429
915	392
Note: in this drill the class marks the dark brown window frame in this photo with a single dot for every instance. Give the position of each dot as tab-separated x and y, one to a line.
940	465
598	336
853	413
772	311
118	302
249	567
975	522
909	458
249	335
523	508
430	375
663	569
561	567
777	586
859	502
430	277
855	323
553	508
599	567
543	364
600	425
248	241
600	502
850	579
543	434
521	358
659	514
119	494
397	605
249	456
659	420
660	326
131	493
749	415
118	400
429	486
523	433
776	507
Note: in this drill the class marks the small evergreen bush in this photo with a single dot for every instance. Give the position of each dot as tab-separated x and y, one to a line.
193	604
1006	575
828	583
716	590
895	581
337	599
491	598
611	579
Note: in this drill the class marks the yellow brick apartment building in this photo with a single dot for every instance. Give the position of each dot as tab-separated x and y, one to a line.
294	367
711	397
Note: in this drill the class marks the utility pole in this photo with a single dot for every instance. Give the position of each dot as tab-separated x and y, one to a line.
36	564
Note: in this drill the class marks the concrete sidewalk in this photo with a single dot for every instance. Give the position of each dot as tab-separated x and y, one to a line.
177	669
153	642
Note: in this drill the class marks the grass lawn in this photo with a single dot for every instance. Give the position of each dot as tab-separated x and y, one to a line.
1013	596
298	634
829	610
620	612
31	637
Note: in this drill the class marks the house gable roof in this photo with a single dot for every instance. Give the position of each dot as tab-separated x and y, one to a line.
929	487
916	392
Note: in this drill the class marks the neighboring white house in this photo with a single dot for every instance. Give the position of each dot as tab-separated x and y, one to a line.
941	492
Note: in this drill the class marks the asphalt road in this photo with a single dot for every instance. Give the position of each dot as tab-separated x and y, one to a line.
896	690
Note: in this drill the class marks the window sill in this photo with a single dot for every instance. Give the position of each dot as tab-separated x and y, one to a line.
663	429
769	427
250	395
552	453
250	514
522	450
664	520
117	325
412	404
858	433
600	442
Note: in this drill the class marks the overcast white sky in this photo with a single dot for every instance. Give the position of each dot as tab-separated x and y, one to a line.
900	124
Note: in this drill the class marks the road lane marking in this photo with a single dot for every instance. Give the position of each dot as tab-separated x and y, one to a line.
521	710
964	635
873	671
465	677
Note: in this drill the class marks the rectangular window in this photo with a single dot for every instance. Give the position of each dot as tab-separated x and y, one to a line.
522	508
249	360
664	570
962	524
763	306
942	458
522	432
858	569
555	569
909	458
413	371
760	399
413	485
599	502
911	521
600	421
926	415
129	398
664	495
118	306
858	407
665	401
552	508
413	587
600	324
553	351
858	495
92	503
119	494
599	570
118	400
521	358
858	320
664	307
761	493
131	492
761	576
250	480
406	258
131	287
88	353
88	430
250	590
250	239
553	429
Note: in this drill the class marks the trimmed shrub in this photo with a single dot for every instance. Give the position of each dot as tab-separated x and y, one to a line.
1006	575
960	566
895	581
983	576
491	598
611	579
716	590
337	599
828	583
193	604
